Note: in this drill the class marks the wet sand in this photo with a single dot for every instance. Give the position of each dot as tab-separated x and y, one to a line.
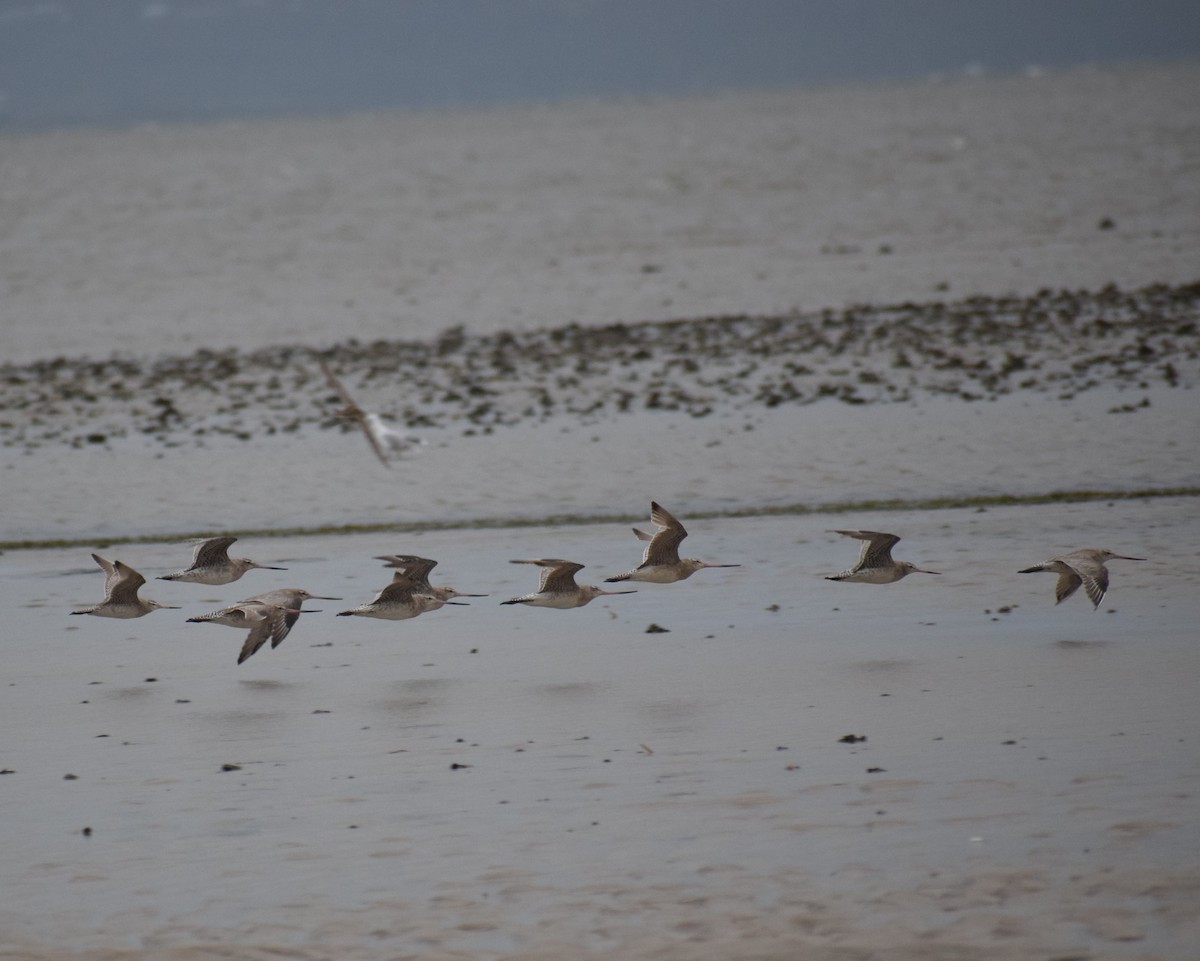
172	239
933	403
494	782
507	782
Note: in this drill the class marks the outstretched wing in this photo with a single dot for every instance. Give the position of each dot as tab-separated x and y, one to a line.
664	545
876	550
1094	576
557	574
111	577
561	578
399	591
417	568
123	589
212	552
260	631
1068	584
353	412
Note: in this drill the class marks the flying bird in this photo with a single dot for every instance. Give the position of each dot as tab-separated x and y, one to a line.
557	587
211	564
417	569
264	621
121	584
290	600
1084	567
398	601
661	563
875	564
380	436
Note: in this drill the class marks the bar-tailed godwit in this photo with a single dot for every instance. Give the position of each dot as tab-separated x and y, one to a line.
875	564
399	601
262	620
121	583
557	587
290	600
661	563
417	569
211	564
1084	567
379	435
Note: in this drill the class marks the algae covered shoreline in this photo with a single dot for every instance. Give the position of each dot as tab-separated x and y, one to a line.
1060	343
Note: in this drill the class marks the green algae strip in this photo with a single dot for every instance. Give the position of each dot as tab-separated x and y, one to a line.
981	501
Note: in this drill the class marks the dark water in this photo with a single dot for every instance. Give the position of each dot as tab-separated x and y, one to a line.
80	62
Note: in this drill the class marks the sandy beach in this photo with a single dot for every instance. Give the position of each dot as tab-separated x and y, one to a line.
962	311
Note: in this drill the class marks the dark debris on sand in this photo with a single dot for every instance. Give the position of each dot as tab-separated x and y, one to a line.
1057	342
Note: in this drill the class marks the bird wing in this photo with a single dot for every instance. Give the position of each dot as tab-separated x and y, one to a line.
371	439
1096	587
337	385
877	549
664	518
664	547
353	412
405	560
386	436
289	602
212	552
282	624
1068	584
1094	576
416	583
561	577
400	590
554	571
418	568
260	631
111	577
125	586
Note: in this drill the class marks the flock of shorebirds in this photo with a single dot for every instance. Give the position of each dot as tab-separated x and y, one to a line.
271	615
